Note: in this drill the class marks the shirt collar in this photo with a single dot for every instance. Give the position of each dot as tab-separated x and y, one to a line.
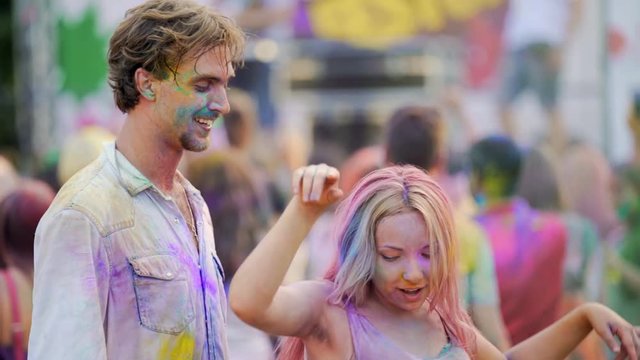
132	179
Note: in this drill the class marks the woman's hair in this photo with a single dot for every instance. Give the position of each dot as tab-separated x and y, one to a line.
380	194
159	35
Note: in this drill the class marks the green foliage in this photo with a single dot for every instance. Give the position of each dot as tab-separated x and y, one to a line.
82	55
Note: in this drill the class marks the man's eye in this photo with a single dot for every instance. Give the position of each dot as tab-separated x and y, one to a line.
201	87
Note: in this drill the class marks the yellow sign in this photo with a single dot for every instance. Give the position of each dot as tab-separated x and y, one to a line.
378	23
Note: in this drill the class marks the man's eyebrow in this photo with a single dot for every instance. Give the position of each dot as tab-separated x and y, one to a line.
200	77
206	77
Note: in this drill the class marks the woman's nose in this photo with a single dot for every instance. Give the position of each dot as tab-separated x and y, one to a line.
413	272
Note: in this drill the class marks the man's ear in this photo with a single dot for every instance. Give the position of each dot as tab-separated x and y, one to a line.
145	82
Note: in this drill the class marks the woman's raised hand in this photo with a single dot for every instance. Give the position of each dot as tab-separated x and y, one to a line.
317	185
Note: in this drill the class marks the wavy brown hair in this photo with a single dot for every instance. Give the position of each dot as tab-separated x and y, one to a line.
159	35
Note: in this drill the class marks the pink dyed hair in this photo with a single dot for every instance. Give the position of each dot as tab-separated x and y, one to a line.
383	193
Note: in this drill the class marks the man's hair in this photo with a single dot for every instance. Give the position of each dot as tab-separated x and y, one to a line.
159	35
414	137
497	158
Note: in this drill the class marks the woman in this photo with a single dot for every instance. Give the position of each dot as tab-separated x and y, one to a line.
392	293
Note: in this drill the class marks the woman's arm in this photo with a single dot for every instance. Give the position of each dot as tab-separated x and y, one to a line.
558	340
255	294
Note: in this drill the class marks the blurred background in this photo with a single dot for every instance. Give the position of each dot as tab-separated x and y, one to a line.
320	83
333	66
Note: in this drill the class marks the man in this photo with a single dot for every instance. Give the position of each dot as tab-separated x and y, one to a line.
416	135
528	246
535	33
125	261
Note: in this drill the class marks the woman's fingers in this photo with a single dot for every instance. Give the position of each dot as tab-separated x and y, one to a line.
629	347
315	181
319	182
307	181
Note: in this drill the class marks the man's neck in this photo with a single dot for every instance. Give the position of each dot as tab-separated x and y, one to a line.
147	153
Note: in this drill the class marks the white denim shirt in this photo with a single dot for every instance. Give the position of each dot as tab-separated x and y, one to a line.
118	275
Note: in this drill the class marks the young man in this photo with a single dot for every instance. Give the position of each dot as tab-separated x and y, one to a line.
125	261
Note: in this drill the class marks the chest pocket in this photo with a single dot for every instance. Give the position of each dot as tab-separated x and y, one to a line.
163	295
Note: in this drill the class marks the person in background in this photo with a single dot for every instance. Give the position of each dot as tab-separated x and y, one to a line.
269	25
415	135
534	37
529	246
20	211
391	293
125	258
8	176
245	137
226	182
623	260
80	150
583	169
539	186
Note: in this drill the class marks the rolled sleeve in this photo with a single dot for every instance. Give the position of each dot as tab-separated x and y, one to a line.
71	285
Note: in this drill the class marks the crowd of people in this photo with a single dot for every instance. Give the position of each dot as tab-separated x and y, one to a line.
151	244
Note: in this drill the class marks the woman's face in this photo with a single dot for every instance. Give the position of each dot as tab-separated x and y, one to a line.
403	261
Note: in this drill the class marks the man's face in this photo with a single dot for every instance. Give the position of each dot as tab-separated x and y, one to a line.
187	106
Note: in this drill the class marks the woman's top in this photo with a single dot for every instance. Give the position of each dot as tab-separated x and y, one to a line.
369	343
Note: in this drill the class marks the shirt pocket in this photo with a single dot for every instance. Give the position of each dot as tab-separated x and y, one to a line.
162	293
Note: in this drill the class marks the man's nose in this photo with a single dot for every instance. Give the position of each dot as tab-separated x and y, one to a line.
219	102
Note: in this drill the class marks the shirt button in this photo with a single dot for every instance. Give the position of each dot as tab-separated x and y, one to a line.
169	274
176	220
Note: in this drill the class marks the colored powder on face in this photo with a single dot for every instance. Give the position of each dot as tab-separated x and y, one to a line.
183	115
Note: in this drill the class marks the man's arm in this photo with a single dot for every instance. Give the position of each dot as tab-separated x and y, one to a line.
71	285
